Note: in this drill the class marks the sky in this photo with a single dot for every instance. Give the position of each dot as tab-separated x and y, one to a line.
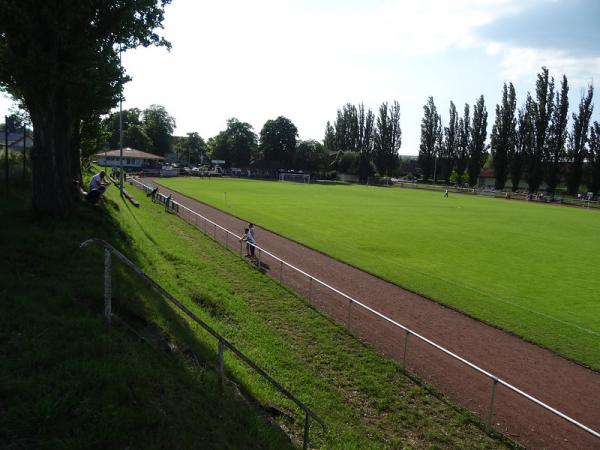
305	59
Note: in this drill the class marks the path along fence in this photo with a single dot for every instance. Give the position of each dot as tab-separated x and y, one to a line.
222	343
229	239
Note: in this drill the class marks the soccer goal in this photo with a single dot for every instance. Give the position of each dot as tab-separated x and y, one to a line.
379	181
297	177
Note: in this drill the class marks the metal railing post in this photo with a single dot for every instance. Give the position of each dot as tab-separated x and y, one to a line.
226	239
404	353
281	272
220	362
259	252
310	289
215	232
205	221
107	286
241	249
491	408
306	428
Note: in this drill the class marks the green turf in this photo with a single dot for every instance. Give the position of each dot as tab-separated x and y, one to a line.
363	397
532	269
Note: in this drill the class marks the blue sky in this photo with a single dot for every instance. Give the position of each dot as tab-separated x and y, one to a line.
305	59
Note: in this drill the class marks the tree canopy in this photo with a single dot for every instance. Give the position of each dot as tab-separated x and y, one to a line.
278	140
64	67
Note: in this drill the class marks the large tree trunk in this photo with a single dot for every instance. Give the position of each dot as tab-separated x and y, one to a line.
52	163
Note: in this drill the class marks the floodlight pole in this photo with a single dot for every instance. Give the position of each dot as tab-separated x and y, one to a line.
121	128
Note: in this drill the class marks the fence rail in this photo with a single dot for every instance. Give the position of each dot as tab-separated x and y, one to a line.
495	380
222	343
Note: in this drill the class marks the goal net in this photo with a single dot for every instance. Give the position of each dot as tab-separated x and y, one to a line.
297	177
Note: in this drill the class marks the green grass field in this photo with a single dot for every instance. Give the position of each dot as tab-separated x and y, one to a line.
531	269
69	382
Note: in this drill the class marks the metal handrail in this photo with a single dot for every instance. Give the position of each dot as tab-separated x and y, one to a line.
222	342
494	379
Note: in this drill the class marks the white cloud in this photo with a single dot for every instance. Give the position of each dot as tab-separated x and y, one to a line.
521	63
257	60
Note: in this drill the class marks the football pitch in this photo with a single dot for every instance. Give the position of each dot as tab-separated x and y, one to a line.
531	269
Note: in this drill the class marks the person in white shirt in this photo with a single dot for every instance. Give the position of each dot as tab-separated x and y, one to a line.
97	181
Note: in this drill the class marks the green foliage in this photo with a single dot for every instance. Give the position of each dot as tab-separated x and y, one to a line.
311	156
540	111
159	127
387	138
137	138
66	381
130	118
236	145
454	179
190	149
449	149
555	153
440	247
362	396
503	135
594	158
430	132
578	140
477	148
65	67
278	141
348	162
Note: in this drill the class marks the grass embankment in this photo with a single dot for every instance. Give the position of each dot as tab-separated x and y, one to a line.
68	382
532	269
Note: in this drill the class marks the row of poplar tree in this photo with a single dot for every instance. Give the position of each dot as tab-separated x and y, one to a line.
531	143
367	143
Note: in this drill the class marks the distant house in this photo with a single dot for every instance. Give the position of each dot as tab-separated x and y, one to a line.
487	180
16	139
133	160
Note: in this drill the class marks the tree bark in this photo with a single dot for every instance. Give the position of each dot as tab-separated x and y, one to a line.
52	162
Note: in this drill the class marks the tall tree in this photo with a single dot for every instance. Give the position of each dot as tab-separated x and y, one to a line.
451	134
388	138
236	145
346	128
429	136
64	67
278	141
593	156
477	148
310	156
557	135
541	112
578	140
159	127
464	141
329	140
135	137
191	148
524	142
503	135
130	117
366	122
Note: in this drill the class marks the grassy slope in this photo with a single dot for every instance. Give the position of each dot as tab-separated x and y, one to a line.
65	382
529	268
364	399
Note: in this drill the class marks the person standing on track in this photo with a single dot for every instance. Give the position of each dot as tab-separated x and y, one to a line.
250	242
